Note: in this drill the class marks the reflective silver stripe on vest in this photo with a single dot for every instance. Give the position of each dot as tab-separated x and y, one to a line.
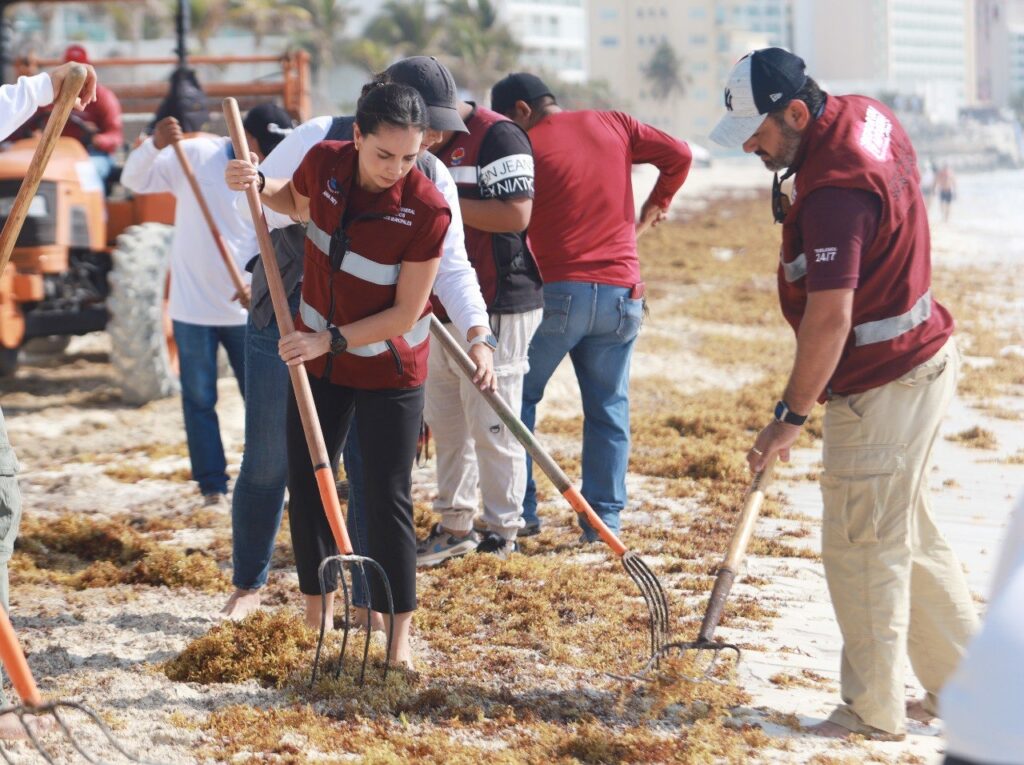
418	334
465	174
316	322
888	329
795	270
320	239
369	270
354	263
311	317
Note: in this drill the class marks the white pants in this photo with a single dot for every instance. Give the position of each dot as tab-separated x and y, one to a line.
473	445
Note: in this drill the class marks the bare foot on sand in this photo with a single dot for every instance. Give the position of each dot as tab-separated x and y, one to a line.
916	711
12	728
376	619
241	604
829	729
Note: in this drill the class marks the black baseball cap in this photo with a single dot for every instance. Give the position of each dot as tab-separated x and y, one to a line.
763	81
269	124
520	86
437	86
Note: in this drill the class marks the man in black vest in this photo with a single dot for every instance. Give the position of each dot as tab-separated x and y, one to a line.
492	164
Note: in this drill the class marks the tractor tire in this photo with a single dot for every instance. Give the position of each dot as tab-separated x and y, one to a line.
50	345
8	361
141	348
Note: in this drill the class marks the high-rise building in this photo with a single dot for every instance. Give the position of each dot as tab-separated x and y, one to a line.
904	47
992	52
553	35
706	37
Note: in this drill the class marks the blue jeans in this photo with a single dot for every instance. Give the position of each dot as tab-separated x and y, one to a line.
257	501
597	325
197	351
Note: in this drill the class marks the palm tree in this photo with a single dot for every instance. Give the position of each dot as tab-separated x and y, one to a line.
324	36
263	17
207	17
480	46
405	26
664	70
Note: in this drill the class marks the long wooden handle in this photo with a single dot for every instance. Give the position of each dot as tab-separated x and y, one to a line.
300	381
58	118
528	440
737	549
15	663
222	248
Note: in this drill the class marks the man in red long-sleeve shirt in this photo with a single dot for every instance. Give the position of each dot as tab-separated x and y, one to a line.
583	236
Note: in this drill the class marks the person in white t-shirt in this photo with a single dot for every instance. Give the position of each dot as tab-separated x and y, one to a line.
18	102
205	308
983	703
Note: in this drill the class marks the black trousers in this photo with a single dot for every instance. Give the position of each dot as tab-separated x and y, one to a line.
389	425
952	759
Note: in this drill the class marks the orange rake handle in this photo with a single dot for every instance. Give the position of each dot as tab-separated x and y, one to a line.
16	665
222	248
300	380
528	440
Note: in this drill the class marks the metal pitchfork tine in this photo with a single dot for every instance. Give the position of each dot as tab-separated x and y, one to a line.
325	478
723	584
650	587
32	704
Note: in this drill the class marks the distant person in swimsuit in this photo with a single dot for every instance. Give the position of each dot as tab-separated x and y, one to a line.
945	184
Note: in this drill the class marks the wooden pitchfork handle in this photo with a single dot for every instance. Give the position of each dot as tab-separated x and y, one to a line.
737	549
222	248
62	106
528	440
300	380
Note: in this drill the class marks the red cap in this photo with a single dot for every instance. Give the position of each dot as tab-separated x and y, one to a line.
76	53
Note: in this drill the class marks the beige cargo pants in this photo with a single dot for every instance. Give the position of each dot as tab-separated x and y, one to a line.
896	586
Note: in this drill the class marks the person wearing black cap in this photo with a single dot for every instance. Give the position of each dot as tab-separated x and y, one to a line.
876	348
204	307
258	501
492	164
583	234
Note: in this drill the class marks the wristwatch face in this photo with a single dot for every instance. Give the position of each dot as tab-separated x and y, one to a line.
492	341
338	341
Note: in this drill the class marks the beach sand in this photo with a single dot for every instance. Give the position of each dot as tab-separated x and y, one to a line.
105	645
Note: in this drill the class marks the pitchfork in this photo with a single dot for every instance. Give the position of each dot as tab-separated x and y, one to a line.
32	705
651	589
314	435
723	584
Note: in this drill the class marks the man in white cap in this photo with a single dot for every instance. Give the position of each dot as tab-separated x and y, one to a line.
876	348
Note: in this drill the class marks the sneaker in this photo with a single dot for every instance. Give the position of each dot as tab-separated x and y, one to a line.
439	546
215	499
530	529
497	545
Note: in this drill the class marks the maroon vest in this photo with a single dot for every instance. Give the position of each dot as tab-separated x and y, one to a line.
504	266
366	281
856	143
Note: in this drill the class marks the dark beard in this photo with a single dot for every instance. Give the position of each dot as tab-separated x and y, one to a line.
787	154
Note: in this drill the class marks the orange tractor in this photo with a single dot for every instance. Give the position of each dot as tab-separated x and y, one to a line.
86	261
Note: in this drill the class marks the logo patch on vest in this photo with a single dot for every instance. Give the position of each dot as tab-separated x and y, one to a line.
458	155
876	134
331	190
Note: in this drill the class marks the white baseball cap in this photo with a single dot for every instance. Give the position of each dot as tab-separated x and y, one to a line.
763	81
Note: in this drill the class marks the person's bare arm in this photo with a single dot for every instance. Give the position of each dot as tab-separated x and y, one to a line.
497	216
824	330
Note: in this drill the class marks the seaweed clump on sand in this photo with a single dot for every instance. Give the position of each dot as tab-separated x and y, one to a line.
267	647
81	552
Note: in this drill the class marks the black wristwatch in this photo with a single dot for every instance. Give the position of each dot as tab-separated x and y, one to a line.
783	414
489	339
338	341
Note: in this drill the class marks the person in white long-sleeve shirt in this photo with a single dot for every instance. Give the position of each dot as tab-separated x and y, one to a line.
18	102
204	306
258	499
